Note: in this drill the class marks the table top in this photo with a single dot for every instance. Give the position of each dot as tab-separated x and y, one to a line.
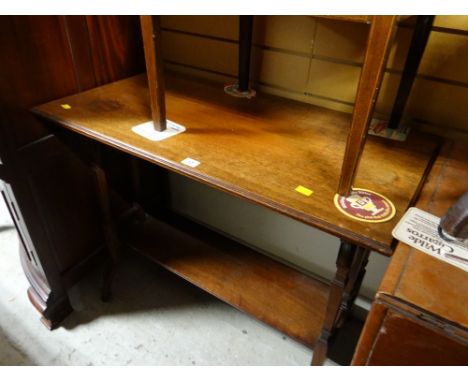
259	149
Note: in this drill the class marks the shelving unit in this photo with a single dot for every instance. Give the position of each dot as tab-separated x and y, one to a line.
258	149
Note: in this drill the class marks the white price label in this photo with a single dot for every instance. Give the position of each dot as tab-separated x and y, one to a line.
190	162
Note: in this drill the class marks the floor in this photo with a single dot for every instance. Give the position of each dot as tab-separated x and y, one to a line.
146	323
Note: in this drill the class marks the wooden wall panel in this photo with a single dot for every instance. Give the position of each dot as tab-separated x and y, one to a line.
36	64
83	64
48	57
116	47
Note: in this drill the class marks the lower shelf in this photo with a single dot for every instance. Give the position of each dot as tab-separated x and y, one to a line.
251	282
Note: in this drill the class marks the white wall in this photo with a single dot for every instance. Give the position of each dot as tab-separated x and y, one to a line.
267	231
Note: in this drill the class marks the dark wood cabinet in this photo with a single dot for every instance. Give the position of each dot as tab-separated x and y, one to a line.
48	189
51	197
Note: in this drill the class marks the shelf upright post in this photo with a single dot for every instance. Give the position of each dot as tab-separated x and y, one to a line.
241	89
378	44
245	44
338	286
419	40
151	33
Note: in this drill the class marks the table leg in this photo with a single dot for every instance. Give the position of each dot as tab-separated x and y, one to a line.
358	271
378	45
344	287
110	234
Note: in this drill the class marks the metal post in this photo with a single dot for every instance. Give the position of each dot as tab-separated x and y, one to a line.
245	44
416	50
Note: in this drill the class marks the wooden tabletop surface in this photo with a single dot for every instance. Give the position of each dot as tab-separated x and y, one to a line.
259	149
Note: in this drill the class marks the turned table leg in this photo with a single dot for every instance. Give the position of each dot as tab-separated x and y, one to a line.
110	234
358	271
350	263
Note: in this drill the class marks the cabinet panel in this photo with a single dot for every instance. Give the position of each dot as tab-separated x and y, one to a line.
45	57
403	340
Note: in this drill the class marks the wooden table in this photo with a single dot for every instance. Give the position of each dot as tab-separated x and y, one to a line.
259	150
420	313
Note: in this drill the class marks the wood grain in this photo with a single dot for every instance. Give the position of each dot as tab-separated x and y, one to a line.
116	47
270	291
259	149
36	64
372	71
76	30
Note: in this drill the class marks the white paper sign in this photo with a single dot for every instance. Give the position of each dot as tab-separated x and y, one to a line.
419	229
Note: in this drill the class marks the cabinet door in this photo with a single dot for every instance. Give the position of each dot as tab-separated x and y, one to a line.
50	192
52	200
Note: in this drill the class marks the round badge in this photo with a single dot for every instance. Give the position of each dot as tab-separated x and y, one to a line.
365	205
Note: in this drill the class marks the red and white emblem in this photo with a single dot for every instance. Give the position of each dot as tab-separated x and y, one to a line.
366	205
